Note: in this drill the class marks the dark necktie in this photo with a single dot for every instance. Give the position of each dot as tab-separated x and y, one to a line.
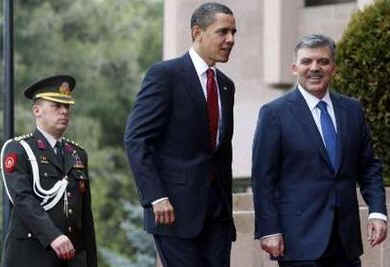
328	132
212	108
60	152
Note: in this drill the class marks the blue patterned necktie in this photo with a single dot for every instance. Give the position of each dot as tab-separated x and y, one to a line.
328	132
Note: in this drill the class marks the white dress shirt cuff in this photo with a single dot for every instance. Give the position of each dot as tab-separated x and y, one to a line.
159	200
268	236
377	215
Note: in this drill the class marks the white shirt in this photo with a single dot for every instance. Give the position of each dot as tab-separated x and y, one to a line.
201	68
312	103
50	139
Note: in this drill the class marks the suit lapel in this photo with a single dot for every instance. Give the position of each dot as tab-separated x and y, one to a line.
68	157
303	114
194	88
341	119
225	93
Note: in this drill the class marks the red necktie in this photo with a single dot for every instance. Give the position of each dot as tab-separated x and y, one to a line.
212	108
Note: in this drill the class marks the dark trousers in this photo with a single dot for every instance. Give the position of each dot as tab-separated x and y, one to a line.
211	248
334	255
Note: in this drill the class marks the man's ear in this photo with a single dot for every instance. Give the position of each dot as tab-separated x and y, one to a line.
196	33
294	68
36	109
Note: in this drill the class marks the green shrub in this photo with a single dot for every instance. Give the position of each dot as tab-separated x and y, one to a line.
363	71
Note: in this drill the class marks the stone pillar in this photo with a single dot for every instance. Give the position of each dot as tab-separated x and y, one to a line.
280	35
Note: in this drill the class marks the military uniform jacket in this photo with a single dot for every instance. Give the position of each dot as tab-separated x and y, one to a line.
31	228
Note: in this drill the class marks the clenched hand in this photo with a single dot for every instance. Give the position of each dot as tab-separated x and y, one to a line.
164	212
63	247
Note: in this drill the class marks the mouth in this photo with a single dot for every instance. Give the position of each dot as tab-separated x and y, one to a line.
226	50
315	77
63	121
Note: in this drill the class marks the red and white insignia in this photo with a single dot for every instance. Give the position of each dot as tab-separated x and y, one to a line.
41	144
10	162
68	148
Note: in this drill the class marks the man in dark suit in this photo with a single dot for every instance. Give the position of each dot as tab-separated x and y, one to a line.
311	147
178	141
46	178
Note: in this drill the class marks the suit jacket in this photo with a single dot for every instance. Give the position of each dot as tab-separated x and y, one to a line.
167	143
295	188
31	229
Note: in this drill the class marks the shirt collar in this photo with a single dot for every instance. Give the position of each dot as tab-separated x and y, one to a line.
50	139
311	100
199	64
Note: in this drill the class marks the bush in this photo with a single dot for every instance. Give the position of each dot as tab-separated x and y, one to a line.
363	71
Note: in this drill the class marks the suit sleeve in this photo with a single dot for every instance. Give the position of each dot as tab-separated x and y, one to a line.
26	206
370	173
88	226
266	172
145	126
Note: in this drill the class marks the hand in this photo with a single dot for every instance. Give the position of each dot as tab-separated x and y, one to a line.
164	212
377	231
63	247
274	245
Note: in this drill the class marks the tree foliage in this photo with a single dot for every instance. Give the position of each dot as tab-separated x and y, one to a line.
107	46
363	68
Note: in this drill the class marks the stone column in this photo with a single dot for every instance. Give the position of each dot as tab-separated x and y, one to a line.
280	35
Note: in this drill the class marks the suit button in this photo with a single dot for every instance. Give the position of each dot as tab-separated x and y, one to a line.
70	211
45	174
69	194
29	235
70	229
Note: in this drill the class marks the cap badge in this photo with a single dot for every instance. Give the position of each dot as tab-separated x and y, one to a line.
64	88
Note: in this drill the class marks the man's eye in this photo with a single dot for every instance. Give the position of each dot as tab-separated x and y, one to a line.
324	61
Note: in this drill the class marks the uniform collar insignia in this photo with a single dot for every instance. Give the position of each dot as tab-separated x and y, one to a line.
68	148
41	144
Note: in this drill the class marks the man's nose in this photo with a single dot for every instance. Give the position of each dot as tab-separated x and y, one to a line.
230	38
314	66
64	109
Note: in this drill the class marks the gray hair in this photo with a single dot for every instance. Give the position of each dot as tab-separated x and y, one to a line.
316	41
204	15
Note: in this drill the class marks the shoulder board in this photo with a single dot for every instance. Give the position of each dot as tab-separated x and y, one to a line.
22	137
73	143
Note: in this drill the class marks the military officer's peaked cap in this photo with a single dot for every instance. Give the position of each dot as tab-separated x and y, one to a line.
56	88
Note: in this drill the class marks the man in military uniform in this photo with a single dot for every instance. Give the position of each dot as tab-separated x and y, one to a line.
46	179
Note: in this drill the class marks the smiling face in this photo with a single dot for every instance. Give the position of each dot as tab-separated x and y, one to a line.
52	117
215	43
314	68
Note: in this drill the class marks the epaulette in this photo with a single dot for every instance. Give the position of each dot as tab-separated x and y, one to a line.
73	143
22	137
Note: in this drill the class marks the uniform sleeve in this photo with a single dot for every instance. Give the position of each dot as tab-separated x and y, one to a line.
88	224
18	179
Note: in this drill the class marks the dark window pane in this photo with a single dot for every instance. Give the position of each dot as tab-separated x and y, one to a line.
325	2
